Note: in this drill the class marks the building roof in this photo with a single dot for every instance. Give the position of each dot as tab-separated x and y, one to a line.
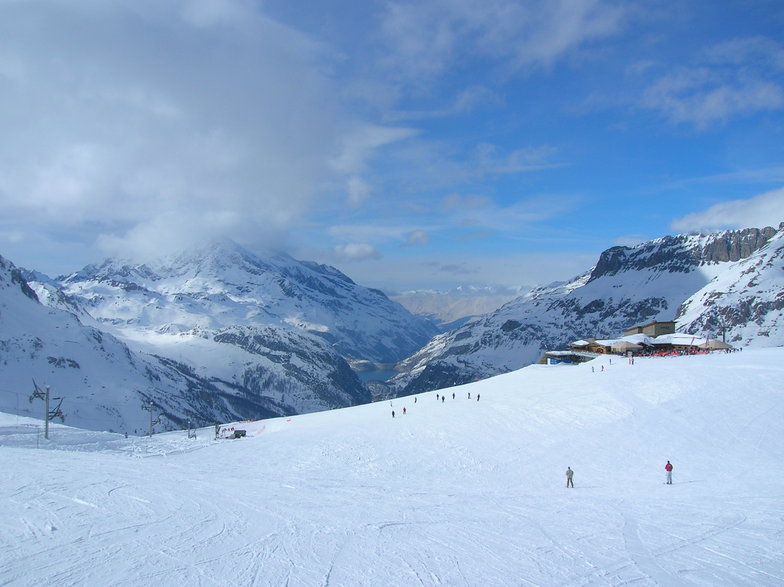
680	339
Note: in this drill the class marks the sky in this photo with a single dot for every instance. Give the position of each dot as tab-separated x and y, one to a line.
413	145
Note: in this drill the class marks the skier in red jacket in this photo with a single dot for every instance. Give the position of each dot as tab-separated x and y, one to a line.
668	468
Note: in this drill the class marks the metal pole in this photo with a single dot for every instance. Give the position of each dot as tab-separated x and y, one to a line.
46	414
151	404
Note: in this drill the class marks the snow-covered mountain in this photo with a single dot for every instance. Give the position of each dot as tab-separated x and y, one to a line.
102	381
730	279
273	333
743	304
223	285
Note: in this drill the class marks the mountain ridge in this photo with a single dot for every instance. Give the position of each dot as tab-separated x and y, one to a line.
627	286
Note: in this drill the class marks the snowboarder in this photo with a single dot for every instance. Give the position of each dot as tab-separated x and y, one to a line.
668	468
569	475
393	413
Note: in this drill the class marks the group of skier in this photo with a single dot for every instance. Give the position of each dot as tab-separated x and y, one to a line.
667	471
439	396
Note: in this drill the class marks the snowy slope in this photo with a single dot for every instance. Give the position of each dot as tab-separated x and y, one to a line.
460	492
628	286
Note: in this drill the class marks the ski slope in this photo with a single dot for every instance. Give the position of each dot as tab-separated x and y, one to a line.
454	492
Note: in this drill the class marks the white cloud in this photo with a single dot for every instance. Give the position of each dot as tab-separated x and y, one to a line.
467	100
146	124
207	13
417	238
741	51
758	212
357	190
469	202
482	215
356	252
699	97
358	145
487	161
424	39
729	80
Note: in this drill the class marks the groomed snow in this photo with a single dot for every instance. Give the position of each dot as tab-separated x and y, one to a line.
454	492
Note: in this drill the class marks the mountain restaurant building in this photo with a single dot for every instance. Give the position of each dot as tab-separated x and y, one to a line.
652	329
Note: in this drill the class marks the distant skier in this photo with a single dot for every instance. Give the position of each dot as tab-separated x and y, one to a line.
438	397
393	413
415	399
469	395
404	411
569	475
668	469
443	397
477	397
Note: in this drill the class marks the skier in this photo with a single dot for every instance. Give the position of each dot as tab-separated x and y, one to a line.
469	395
438	397
569	475
453	395
415	399
668	468
443	397
404	411
477	397
393	413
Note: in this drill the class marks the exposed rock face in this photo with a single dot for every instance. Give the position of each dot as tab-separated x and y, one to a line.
683	253
664	279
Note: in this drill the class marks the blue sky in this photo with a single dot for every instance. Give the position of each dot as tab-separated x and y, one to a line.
421	144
